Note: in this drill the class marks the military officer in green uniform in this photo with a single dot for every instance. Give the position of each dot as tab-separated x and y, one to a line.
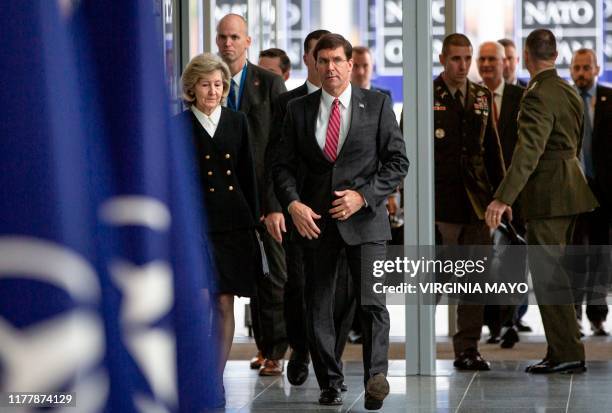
468	168
546	177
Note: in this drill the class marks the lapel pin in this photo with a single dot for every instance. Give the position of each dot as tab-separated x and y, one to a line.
362	106
256	82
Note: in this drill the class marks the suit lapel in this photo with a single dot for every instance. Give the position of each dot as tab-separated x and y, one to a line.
251	82
357	110
311	109
503	110
600	102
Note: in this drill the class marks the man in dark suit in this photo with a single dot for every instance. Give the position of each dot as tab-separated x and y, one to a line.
593	228
341	153
295	306
252	91
511	60
545	172
506	99
468	168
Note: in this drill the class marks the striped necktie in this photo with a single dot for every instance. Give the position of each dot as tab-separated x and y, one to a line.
333	132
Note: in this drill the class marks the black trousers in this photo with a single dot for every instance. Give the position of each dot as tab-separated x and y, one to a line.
591	270
320	265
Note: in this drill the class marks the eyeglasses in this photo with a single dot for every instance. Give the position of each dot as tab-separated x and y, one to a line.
337	61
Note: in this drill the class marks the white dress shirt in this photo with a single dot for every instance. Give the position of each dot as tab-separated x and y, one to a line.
325	110
311	87
209	123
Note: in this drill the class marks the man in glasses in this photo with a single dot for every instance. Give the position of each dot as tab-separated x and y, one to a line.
340	155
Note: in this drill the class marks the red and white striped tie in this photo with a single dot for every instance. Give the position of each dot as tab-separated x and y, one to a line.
333	132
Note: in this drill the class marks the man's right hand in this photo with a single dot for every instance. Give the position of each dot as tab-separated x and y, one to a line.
303	218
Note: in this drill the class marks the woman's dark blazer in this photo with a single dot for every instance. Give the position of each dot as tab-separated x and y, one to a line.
227	171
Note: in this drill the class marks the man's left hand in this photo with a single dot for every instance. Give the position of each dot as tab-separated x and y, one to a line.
494	213
347	203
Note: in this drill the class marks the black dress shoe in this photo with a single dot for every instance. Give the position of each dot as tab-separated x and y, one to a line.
330	397
548	367
598	329
493	339
343	387
522	328
471	360
377	389
510	338
297	369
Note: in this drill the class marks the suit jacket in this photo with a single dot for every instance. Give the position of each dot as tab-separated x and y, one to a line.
261	89
227	172
372	161
271	203
507	126
381	90
468	158
602	147
545	173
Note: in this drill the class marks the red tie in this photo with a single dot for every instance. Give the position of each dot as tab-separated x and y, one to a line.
495	112
333	132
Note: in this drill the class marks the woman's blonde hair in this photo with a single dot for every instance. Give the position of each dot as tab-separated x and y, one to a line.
199	66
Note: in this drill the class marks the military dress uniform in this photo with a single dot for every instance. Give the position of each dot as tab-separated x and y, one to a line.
546	178
468	167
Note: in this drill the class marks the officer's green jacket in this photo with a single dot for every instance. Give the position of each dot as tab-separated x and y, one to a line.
545	173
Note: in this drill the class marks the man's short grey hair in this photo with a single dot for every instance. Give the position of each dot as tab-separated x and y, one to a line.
501	51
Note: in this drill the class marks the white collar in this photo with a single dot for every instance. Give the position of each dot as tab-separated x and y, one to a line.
214	117
344	98
311	87
499	90
238	76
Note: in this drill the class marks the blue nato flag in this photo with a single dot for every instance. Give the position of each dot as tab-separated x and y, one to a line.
104	280
152	213
51	330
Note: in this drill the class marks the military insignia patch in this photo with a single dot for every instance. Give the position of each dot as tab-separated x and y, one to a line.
439	133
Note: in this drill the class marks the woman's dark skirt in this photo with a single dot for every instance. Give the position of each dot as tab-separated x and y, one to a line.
237	261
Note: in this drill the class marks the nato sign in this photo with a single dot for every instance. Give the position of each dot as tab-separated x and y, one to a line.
576	24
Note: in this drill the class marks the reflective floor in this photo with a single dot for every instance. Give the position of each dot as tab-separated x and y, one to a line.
506	388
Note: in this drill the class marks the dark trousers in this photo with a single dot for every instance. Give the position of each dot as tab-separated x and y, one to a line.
469	316
320	265
551	283
295	304
267	307
592	267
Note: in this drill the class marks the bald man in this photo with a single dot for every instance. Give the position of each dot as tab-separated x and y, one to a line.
253	91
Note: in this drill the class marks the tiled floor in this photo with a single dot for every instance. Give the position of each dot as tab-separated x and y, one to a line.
506	388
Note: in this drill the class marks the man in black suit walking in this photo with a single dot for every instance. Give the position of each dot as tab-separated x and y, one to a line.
341	153
505	102
593	228
295	307
252	91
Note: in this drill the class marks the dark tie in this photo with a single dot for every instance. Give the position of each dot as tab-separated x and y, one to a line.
333	132
458	101
586	154
231	97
